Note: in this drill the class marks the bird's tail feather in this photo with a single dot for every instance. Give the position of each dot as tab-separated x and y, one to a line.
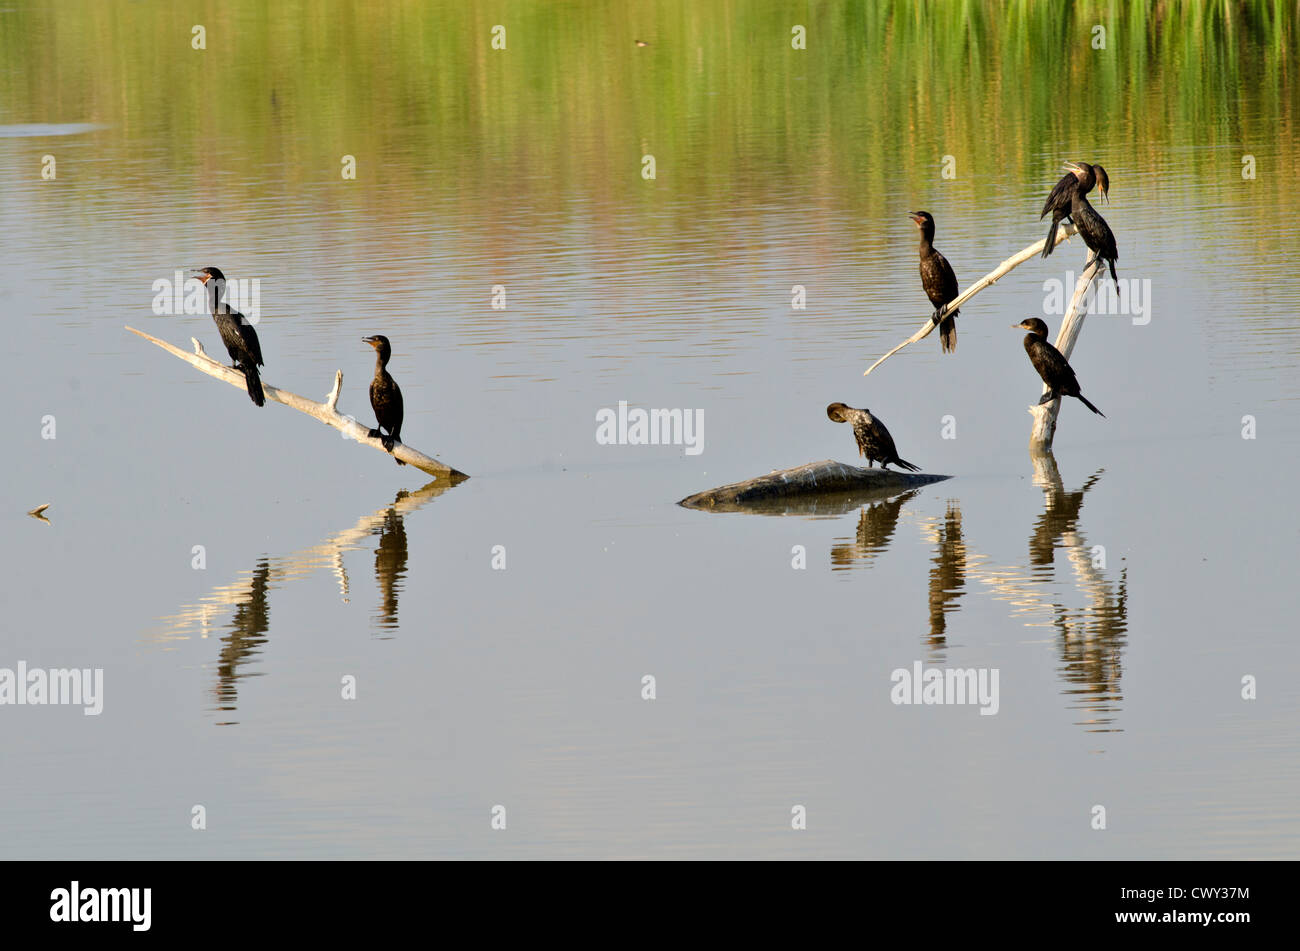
1050	244
1084	400
254	384
904	464
948	332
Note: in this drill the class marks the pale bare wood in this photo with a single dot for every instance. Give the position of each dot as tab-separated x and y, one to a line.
989	279
327	412
1044	428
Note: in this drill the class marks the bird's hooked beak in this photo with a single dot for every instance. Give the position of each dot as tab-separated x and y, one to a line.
1076	168
200	274
373	341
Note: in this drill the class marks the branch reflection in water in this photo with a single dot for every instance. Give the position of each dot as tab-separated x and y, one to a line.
245	599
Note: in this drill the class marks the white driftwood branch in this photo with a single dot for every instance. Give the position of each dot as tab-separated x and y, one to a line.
327	412
1020	257
1044	430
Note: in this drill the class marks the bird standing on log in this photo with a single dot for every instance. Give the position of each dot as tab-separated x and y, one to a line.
872	437
236	333
1051	364
385	396
1092	227
938	279
1061	199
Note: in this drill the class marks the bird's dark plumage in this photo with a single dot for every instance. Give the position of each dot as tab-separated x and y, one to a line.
938	279
1092	227
1051	364
385	396
236	333
1061	199
874	441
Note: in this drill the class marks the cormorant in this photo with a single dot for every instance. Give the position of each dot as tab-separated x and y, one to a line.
1061	197
872	437
1050	364
1092	227
385	396
937	278
236	333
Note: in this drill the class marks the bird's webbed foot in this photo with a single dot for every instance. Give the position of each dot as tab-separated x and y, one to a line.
388	442
375	434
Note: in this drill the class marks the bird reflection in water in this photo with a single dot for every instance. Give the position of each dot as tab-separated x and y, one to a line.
876	524
248	627
390	565
1092	639
246	596
947	577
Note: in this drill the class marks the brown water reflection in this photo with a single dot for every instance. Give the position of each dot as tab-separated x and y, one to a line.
248	625
1091	635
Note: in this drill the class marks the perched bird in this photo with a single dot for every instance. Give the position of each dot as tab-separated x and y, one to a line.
1062	196
872	437
1051	365
236	333
1092	227
937	278
385	396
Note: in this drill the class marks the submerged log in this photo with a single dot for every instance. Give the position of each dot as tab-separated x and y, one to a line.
816	480
327	412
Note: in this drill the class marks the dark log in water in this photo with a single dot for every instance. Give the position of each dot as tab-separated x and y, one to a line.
775	492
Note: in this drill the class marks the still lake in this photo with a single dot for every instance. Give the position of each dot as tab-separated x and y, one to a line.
1122	599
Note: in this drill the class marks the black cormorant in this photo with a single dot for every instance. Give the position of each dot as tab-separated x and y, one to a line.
1092	227
1050	364
937	278
236	333
1062	197
873	438
385	396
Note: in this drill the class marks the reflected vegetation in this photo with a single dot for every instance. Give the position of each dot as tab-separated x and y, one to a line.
238	611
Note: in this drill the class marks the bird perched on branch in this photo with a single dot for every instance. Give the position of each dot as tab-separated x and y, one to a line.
1051	365
874	441
236	332
385	396
1061	198
1092	227
938	279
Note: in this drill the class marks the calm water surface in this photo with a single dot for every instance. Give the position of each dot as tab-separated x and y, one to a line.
1120	683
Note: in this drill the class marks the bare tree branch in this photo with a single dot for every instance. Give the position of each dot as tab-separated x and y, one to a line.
326	412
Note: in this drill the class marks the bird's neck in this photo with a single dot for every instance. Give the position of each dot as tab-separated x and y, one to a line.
381	364
214	297
927	240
